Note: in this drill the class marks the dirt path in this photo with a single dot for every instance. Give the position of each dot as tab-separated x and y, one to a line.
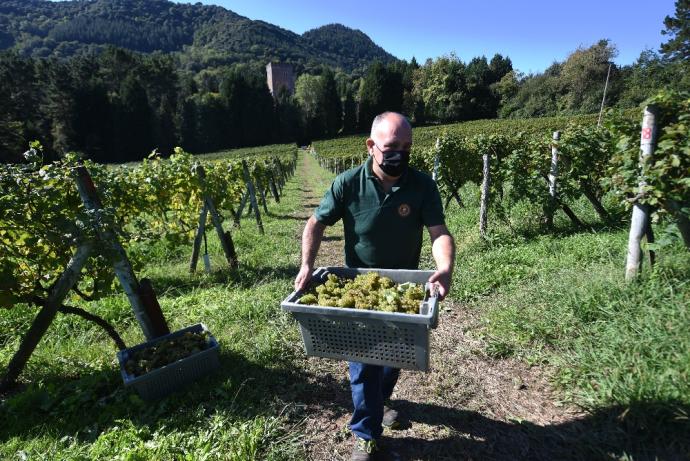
470	406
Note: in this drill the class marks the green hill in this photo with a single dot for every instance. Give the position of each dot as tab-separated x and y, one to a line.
200	35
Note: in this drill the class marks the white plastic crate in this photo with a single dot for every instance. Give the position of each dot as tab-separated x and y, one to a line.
368	336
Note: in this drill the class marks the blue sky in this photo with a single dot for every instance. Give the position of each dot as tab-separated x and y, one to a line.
532	33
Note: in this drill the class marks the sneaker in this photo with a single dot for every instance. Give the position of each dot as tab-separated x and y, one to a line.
390	418
364	450
369	450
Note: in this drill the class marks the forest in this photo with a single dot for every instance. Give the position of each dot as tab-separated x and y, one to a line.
119	102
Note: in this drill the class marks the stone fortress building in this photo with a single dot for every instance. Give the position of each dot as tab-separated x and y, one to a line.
279	75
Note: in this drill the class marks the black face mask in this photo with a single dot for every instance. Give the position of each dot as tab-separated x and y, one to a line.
394	162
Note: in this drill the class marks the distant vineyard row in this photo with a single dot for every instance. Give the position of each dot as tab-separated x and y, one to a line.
593	160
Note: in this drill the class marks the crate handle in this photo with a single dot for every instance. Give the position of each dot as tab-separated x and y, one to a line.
318	275
433	305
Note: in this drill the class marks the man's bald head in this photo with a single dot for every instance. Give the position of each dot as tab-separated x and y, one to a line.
396	120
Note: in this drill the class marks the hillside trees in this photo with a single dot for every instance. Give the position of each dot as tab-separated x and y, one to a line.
18	90
381	90
200	36
678	28
320	103
451	90
119	106
249	107
647	75
332	105
575	86
440	85
309	97
582	77
349	113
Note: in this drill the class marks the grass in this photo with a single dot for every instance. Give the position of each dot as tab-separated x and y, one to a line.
560	299
554	299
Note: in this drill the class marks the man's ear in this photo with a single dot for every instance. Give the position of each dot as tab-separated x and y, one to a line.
370	145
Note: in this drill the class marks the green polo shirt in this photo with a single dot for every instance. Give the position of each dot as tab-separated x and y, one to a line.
382	230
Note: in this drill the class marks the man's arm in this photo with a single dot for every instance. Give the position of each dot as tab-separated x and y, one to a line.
443	250
311	240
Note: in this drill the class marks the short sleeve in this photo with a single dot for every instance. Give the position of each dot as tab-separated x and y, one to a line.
332	206
432	209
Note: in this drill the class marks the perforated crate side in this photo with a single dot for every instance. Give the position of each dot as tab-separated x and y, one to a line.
178	375
175	376
394	344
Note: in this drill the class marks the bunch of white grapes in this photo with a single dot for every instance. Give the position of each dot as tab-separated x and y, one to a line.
367	291
166	352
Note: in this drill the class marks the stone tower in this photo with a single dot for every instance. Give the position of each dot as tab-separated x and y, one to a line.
279	75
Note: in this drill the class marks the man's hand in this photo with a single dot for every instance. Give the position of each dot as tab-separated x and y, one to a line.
303	278
311	239
443	249
442	280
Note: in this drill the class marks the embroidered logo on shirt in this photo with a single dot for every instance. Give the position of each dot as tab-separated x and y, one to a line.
404	210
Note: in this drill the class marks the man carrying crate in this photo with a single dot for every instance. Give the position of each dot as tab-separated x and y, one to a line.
384	205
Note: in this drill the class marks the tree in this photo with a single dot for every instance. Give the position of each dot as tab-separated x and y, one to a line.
538	95
309	97
482	102
287	117
332	106
441	87
160	80
186	121
381	90
499	67
212	122
678	28
583	76
506	89
92	121
249	106
134	121
349	113
60	107
20	118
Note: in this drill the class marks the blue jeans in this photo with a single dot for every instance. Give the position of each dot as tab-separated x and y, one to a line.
371	385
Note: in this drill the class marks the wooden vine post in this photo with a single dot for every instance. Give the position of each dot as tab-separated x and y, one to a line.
554	200
553	175
144	310
240	210
45	317
640	224
587	191
281	176
447	180
262	189
274	189
252	196
484	207
224	237
198	237
437	162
